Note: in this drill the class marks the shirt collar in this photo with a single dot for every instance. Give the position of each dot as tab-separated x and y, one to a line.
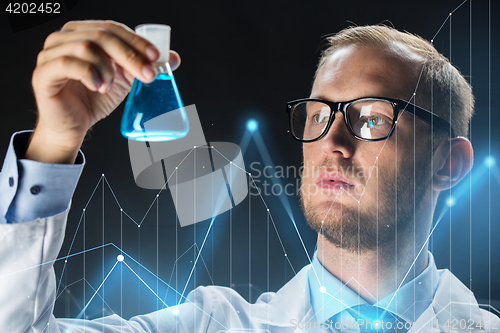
329	296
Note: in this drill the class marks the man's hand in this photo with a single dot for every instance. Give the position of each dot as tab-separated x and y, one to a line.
83	73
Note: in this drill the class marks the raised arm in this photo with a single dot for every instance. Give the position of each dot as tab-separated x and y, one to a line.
83	73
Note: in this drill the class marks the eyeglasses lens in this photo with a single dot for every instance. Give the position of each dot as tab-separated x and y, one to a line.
371	118
309	119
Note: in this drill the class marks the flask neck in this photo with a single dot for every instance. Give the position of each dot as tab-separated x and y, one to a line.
163	68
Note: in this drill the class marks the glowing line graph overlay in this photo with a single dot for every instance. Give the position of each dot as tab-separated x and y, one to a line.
263	151
120	259
476	176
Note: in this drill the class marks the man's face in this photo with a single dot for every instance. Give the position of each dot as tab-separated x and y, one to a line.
359	194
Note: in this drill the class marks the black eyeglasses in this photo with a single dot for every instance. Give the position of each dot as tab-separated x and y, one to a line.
367	119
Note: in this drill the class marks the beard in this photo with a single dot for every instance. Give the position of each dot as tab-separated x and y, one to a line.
377	223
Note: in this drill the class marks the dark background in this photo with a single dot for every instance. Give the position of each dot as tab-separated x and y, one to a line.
242	60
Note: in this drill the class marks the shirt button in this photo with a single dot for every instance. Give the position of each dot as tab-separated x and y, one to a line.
11	181
35	190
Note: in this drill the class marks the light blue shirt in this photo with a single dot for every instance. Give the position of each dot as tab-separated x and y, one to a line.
409	302
30	189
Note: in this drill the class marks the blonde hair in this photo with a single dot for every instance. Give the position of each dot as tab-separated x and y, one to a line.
441	86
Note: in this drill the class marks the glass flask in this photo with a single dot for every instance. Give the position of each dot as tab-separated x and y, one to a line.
154	111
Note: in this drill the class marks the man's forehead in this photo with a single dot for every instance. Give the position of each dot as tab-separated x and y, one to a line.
395	50
392	69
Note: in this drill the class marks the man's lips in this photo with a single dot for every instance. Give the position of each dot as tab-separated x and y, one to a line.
333	181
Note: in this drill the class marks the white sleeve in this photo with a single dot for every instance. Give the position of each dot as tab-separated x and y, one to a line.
27	279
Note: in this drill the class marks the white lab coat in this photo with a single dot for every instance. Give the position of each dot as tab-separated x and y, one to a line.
27	293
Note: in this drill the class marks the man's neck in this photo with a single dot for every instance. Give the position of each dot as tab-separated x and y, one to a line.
373	274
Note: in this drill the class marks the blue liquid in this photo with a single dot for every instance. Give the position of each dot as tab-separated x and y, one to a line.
154	111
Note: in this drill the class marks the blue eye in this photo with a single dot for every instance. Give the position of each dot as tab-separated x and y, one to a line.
374	121
319	118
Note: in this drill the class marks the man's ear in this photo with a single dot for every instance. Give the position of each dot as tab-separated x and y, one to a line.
452	161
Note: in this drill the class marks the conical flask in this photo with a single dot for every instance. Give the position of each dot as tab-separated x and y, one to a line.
154	111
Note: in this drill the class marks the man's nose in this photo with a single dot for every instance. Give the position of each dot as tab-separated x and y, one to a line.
338	140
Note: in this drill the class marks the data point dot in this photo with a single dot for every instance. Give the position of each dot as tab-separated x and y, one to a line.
175	311
139	226
121	209
322	221
231	162
268	209
103	175
387	226
120	257
176	168
286	255
376	158
414	94
157	195
194	147
65	260
322	289
84	209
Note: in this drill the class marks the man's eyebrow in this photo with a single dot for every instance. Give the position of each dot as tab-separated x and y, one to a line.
320	97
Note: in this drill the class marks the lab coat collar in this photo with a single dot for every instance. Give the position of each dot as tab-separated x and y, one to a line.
453	301
291	302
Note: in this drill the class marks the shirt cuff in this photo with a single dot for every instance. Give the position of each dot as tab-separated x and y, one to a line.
30	189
